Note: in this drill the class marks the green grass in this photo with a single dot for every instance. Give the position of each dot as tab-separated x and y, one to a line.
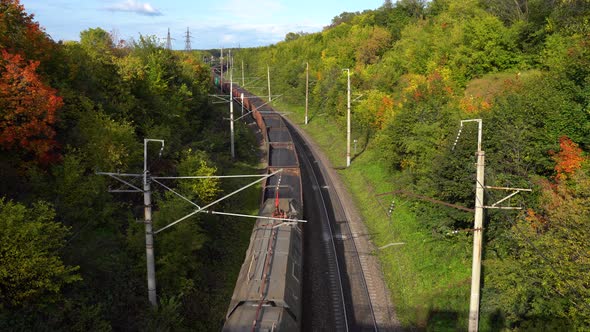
429	278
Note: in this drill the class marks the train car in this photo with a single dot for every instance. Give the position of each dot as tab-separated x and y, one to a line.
267	295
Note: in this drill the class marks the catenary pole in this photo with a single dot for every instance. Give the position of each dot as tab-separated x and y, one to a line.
477	245
477	233
268	78
474	302
231	105
242	102
348	121
243	73
146	190
149	235
306	89
221	77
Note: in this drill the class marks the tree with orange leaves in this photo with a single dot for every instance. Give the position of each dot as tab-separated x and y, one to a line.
568	159
27	108
20	34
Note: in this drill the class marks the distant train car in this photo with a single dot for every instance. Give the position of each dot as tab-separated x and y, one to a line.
267	295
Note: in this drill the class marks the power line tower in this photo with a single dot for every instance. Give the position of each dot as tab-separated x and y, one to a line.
168	40
187	40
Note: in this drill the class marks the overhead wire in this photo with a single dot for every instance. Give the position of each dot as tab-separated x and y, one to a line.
137	181
536	250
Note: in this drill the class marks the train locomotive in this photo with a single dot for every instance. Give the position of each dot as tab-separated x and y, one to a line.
267	295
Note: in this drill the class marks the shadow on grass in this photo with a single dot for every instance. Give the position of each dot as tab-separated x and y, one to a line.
443	320
367	139
449	320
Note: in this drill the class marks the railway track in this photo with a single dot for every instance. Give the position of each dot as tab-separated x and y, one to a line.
348	303
324	306
337	288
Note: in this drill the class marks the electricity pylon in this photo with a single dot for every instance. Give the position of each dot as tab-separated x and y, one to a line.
187	40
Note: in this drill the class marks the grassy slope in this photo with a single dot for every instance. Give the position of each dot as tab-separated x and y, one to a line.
429	279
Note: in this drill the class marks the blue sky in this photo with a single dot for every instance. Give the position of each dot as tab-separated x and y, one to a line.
213	24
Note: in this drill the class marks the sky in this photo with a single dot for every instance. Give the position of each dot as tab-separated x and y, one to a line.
212	24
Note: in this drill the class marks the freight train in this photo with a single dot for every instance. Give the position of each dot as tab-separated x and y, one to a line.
267	295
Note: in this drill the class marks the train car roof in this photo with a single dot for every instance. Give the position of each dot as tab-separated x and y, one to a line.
284	263
242	320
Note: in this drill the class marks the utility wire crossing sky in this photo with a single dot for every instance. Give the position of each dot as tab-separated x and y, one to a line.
212	24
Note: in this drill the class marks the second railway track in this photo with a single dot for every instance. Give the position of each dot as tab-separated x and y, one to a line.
324	306
340	250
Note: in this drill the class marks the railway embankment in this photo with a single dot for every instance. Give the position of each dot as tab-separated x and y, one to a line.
425	280
354	238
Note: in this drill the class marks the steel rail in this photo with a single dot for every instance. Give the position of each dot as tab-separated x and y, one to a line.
353	243
296	137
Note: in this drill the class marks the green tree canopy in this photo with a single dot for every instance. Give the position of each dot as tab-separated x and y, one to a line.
31	269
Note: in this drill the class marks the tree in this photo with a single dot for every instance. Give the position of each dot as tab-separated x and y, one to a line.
19	34
569	159
28	108
94	71
414	8
292	36
568	57
197	163
178	246
373	46
374	111
107	144
96	41
344	17
31	270
508	11
543	281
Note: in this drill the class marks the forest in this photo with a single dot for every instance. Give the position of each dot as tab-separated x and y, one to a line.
417	69
72	255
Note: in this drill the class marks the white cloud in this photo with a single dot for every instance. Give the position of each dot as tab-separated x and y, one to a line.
229	39
135	7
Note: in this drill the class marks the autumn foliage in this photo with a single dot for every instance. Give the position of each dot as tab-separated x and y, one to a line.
27	108
27	105
568	159
20	34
